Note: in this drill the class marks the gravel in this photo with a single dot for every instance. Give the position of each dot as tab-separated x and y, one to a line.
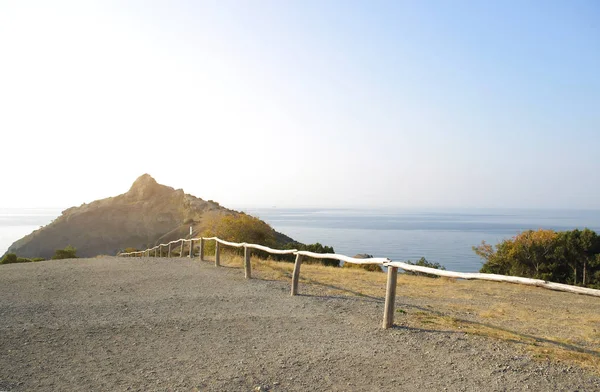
184	325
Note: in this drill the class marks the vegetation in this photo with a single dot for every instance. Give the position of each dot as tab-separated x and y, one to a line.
315	248
246	228
368	267
241	228
11	258
571	257
424	263
67	253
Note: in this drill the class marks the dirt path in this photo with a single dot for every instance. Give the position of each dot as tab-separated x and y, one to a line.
178	325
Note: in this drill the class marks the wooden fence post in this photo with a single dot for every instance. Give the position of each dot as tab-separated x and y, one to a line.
169	254
160	251
155	251
247	265
191	249
217	254
390	297
201	249
296	274
181	252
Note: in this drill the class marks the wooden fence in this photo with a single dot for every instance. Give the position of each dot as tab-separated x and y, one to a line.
392	268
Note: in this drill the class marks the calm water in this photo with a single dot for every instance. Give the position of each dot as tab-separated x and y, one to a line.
444	236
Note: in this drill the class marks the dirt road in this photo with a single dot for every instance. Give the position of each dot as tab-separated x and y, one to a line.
113	324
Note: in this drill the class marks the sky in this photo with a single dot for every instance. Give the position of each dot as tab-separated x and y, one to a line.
435	104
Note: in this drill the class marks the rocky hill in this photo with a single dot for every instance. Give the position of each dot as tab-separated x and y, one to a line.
149	213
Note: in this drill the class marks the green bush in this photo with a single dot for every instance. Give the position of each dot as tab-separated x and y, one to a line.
424	263
9	258
315	248
67	253
318	248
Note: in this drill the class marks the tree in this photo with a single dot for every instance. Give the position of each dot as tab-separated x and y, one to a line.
577	250
497	260
532	249
595	272
590	247
544	254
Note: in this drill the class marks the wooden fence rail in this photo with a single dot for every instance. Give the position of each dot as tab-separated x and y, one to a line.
392	269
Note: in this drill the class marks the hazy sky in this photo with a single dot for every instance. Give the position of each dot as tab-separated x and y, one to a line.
305	103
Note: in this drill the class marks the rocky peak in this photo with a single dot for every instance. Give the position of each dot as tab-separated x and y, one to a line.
144	187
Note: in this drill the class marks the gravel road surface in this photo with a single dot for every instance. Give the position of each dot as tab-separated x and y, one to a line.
111	324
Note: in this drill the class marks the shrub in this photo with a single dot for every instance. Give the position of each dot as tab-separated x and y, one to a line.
239	228
368	267
424	263
315	248
67	253
246	228
9	258
318	248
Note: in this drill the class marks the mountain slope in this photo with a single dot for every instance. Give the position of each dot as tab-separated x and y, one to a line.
149	213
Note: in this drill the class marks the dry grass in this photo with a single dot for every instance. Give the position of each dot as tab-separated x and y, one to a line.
551	325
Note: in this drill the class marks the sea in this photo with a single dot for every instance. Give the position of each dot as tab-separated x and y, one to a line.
440	235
